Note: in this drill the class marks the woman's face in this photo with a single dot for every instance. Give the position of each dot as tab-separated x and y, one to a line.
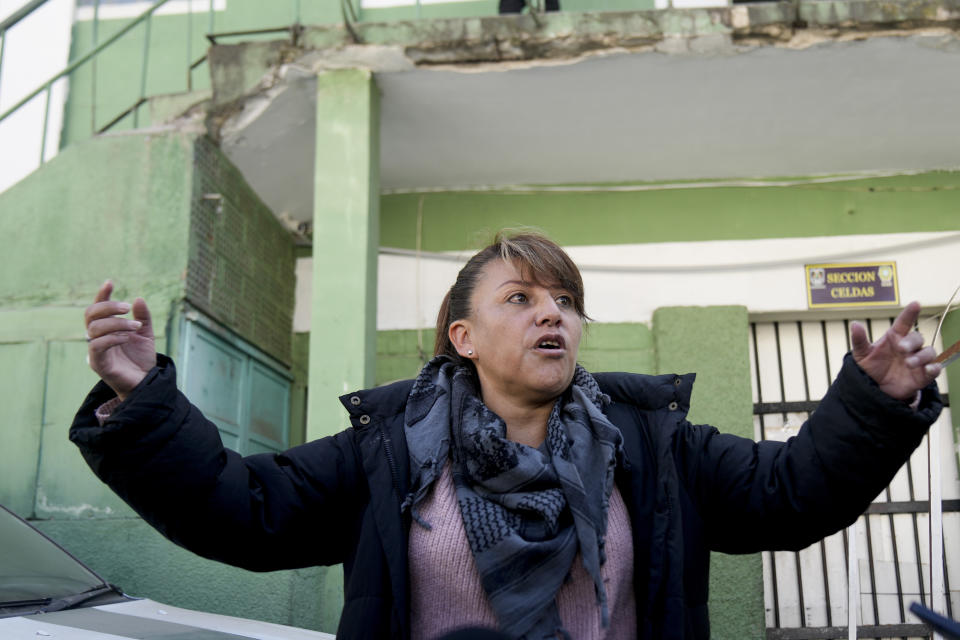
524	336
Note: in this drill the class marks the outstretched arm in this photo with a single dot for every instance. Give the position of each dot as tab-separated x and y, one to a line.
773	495
165	459
262	512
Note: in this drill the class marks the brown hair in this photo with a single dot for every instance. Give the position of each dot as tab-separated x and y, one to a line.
538	258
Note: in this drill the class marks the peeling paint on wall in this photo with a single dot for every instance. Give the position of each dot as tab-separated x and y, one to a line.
74	511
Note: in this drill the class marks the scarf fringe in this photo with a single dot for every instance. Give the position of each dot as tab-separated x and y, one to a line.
411	504
604	610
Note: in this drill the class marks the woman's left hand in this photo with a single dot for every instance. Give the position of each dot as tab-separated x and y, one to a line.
898	362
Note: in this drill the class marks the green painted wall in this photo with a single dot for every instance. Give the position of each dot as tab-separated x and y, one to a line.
236	70
618	347
300	369
130	207
70	225
64	235
23	422
714	343
46	377
401	353
459	220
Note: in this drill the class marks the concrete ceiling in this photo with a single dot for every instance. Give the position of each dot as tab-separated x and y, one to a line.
874	104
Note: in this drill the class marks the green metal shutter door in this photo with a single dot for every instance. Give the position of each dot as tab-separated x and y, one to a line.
247	399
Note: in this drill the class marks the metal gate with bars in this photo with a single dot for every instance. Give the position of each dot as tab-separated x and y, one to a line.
807	594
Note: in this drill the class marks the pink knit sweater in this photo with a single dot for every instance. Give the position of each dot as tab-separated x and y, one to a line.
446	593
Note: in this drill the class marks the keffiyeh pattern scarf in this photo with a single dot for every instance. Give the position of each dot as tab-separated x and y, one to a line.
526	511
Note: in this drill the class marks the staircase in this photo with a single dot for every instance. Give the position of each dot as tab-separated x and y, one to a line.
119	73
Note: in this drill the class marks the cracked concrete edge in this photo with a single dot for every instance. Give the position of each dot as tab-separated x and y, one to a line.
560	35
402	45
521	38
246	76
235	69
880	14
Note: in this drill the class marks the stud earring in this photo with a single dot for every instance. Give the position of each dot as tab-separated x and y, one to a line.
470	352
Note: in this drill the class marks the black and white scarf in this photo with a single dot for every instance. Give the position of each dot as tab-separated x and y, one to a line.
526	511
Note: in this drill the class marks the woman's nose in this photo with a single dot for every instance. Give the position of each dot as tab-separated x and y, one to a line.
548	312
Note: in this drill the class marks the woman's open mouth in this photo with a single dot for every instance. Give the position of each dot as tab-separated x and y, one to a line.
551	343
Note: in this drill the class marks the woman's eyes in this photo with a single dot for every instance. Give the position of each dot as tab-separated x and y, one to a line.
561	300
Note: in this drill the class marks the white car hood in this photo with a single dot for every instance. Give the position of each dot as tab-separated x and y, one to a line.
145	620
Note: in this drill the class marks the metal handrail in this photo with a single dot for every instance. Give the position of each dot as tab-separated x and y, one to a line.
20	14
295	30
84	58
349	15
13	19
349	18
91	55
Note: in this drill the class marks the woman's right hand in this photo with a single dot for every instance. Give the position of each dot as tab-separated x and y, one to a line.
121	351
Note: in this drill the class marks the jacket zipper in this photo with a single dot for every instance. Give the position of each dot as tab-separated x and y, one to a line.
388	451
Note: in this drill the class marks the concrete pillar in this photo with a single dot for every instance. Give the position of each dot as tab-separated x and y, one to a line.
714	343
345	240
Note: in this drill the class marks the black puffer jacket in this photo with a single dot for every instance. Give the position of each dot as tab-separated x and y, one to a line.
689	489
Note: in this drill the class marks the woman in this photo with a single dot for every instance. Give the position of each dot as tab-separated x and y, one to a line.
505	486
